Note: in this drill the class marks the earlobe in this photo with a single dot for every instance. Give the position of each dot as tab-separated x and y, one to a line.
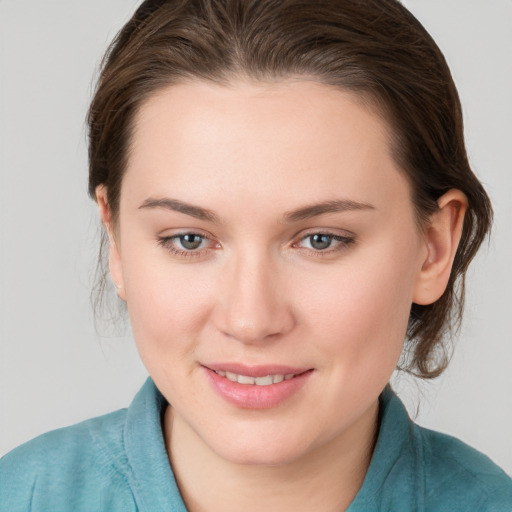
114	256
442	236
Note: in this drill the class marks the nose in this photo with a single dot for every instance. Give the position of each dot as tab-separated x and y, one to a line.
253	305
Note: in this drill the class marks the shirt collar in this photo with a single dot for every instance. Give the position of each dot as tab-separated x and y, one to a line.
152	481
395	477
394	480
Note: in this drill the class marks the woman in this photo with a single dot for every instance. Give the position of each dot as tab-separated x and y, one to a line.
286	197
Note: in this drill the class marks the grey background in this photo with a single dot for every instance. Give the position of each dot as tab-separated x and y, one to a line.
55	370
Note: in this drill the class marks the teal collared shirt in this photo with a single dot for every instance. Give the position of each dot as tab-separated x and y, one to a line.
118	462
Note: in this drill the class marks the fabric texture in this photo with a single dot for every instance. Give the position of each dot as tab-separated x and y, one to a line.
118	462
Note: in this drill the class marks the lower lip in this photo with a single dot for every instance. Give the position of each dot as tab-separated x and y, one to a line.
251	396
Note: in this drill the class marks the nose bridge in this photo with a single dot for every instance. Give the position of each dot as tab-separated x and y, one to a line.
254	306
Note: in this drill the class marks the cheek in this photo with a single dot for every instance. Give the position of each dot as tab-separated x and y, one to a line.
362	309
168	306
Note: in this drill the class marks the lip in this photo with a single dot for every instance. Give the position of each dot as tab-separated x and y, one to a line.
257	370
251	396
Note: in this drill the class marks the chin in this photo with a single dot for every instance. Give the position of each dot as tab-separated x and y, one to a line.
261	446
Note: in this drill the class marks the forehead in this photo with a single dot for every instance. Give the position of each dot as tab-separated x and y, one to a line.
290	138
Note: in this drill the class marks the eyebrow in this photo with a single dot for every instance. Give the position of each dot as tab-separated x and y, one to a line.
306	212
181	207
334	206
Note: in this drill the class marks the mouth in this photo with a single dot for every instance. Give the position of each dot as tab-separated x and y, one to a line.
266	380
256	387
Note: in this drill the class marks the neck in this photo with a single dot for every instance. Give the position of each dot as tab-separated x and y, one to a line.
327	478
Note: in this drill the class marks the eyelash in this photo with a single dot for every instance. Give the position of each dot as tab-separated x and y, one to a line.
342	242
167	242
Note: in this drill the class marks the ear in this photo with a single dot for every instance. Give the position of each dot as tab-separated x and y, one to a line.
114	256
442	236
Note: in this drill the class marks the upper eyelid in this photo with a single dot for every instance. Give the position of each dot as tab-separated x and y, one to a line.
334	231
184	233
327	233
170	232
179	233
305	234
335	237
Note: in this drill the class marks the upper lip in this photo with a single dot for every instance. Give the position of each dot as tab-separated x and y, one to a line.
257	370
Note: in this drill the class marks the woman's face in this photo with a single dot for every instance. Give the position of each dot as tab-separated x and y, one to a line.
266	230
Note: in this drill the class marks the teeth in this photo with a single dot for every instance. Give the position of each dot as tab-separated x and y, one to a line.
264	381
232	376
243	379
258	381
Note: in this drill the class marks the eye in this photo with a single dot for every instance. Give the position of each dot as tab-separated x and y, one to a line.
187	244
190	241
320	242
324	242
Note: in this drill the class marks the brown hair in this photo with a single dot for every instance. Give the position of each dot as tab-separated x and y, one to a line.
375	48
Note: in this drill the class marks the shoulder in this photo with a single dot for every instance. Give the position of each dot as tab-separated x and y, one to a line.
72	464
414	468
457	475
78	446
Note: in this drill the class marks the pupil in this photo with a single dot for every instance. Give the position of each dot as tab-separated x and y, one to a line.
320	241
190	241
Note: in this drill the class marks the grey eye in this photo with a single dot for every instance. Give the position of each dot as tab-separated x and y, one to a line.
320	242
191	241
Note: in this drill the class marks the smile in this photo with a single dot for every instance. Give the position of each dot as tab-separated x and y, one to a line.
267	380
256	387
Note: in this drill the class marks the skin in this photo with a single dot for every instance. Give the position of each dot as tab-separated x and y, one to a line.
257	291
